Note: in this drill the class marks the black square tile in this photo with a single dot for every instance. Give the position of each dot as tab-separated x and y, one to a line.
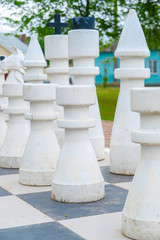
113	202
44	231
8	171
114	178
3	192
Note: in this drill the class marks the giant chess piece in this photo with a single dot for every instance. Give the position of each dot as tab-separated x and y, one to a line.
56	51
18	128
141	213
42	150
34	62
3	103
83	48
77	177
132	50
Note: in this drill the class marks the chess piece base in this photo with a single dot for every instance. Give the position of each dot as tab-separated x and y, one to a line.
40	156
78	193
35	178
15	142
140	230
98	146
128	155
10	161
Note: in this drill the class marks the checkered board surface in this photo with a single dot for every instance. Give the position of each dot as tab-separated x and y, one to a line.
28	213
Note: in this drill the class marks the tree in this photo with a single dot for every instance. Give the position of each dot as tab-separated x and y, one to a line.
149	14
33	15
106	62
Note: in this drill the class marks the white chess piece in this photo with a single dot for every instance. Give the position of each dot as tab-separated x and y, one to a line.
83	49
18	128
3	103
132	50
34	62
56	51
77	177
42	150
141	213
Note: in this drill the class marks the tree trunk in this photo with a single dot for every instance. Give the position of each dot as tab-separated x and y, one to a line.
87	8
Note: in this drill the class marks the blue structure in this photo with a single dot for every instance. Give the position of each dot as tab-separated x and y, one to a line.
153	62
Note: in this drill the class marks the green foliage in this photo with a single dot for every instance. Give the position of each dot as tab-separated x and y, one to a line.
107	99
105	81
149	14
33	15
106	62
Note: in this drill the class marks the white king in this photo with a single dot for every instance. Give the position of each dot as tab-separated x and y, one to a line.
56	51
83	49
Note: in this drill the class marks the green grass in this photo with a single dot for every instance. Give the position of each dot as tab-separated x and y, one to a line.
107	98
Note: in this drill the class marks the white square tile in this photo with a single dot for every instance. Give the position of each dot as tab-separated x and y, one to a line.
106	183
97	227
125	185
12	185
14	212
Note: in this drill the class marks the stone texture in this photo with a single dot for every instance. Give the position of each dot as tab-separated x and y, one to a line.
42	150
18	128
132	49
56	51
141	213
83	48
77	177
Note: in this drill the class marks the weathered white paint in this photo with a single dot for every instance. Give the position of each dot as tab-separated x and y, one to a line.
83	48
42	150
56	51
18	128
141	213
77	177
132	49
3	102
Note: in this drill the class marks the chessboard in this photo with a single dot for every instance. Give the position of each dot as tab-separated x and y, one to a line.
29	213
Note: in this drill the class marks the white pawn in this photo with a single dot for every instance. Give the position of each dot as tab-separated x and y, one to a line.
56	51
132	50
3	103
77	177
18	128
141	213
42	150
83	49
